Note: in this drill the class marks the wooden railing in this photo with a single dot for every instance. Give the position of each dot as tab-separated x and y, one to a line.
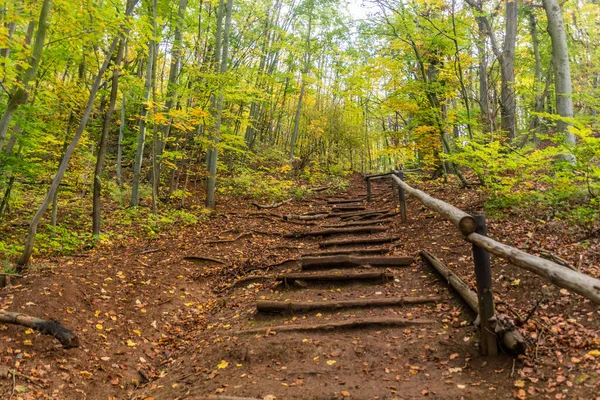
473	229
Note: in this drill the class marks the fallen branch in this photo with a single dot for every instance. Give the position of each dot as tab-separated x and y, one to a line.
291	307
203	260
355	242
53	328
272	205
335	231
553	257
309	263
375	322
345	201
238	237
305	217
511	339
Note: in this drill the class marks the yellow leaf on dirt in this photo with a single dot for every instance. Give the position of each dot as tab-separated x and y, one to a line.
331	362
131	343
223	364
593	353
29	331
137	332
345	394
27	343
99	327
520	384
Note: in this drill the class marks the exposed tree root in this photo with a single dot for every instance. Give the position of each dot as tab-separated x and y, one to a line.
53	328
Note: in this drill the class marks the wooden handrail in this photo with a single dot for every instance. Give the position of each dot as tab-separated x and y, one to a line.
465	223
577	282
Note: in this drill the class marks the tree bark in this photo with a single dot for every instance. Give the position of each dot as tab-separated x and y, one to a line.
562	68
22	91
139	152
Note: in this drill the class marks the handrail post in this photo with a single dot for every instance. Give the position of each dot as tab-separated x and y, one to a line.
485	296
368	179
394	193
402	198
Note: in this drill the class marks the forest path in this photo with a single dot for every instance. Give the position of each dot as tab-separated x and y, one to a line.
254	347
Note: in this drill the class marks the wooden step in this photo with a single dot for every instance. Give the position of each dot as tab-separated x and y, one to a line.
348	252
310	263
345	201
358	323
336	277
275	307
358	242
338	231
358	223
347	208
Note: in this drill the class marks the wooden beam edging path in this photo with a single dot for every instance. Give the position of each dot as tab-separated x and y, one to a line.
465	223
577	282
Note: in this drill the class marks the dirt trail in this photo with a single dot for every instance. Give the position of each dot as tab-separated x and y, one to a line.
155	325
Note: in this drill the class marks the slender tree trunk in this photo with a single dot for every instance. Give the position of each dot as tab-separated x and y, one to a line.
21	93
302	88
508	105
96	198
221	61
28	248
139	152
562	68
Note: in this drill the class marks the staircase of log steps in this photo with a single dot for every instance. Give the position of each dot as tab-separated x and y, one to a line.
352	281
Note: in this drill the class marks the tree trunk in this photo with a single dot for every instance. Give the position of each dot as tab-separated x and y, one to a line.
28	248
21	93
302	88
562	68
221	61
508	105
139	152
96	198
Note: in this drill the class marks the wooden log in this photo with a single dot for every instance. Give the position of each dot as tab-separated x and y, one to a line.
347	208
576	282
266	306
272	205
511	340
203	260
357	213
375	250
465	223
309	263
336	231
345	201
358	223
358	242
401	198
359	323
305	217
327	277
369	176
53	328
